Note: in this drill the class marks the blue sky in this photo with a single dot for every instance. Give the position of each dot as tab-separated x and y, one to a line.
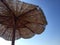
51	35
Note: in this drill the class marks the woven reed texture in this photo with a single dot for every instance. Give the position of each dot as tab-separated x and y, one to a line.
30	20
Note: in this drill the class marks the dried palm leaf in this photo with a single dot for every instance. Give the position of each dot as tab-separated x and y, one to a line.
20	20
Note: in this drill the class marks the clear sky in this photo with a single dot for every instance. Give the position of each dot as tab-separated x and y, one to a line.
51	35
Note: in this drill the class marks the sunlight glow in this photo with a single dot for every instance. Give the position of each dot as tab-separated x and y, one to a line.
4	42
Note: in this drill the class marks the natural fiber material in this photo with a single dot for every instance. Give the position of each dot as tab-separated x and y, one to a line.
30	20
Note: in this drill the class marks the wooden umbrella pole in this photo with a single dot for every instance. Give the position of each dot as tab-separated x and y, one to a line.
14	30
13	37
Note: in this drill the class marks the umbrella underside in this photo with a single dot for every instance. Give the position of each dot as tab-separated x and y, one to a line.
30	20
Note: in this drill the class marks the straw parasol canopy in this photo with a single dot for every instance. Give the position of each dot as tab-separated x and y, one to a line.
20	20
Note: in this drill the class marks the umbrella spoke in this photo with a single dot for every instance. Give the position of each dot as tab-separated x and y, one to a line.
4	16
19	33
32	22
3	1
26	12
5	4
5	31
29	29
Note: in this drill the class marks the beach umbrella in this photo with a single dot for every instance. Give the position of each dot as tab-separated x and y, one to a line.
20	20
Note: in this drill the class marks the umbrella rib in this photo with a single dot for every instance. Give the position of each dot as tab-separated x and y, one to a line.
4	16
4	31
29	29
19	33
27	12
37	23
7	6
33	22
